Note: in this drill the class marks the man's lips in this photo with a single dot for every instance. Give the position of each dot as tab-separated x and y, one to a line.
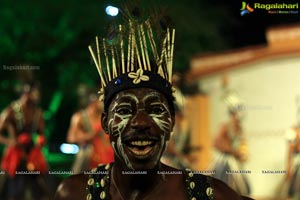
141	147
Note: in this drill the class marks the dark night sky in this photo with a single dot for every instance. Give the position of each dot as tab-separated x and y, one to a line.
216	25
250	29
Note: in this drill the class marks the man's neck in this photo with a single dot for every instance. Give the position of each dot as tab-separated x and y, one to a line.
135	183
26	102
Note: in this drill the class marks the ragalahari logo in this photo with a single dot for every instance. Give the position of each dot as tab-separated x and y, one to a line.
246	9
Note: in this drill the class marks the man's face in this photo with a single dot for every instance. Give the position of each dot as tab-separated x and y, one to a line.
35	95
139	123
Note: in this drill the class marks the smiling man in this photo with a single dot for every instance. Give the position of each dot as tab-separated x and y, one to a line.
140	124
135	68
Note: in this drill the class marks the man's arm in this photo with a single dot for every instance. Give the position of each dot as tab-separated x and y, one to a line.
76	133
5	124
223	144
221	141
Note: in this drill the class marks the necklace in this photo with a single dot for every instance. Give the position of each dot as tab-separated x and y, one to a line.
198	186
19	115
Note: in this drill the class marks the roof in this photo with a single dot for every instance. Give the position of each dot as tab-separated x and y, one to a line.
283	41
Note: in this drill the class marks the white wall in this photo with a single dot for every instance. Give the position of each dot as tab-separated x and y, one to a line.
269	89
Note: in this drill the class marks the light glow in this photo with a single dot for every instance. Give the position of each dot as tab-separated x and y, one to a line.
69	148
112	11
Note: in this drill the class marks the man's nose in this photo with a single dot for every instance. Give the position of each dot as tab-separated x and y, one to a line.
141	120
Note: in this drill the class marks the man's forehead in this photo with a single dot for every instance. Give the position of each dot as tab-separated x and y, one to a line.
140	94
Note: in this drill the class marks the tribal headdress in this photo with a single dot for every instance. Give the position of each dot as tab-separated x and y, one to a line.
133	55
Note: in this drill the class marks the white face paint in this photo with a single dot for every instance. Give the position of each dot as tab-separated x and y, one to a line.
118	128
125	107
158	118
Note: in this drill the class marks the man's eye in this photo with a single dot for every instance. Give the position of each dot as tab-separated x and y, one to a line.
123	111
157	110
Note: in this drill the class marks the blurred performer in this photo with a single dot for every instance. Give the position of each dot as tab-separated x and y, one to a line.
86	131
293	161
23	160
231	144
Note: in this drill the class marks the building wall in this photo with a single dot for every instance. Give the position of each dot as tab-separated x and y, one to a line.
269	89
197	113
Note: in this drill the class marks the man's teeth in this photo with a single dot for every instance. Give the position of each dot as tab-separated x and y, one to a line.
141	147
141	152
141	143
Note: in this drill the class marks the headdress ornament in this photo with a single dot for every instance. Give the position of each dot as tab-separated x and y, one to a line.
133	56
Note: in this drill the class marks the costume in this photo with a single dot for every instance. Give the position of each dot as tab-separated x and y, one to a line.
198	186
91	154
26	156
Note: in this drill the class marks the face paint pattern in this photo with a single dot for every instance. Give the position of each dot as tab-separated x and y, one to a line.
160	122
118	131
118	128
158	118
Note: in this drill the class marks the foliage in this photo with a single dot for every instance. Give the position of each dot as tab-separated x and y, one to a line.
54	35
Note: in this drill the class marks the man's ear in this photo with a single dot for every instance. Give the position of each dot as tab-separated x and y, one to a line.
104	122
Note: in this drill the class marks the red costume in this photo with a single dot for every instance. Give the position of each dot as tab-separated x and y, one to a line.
15	154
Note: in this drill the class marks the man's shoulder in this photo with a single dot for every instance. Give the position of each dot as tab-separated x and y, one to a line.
66	191
77	116
198	185
223	191
210	187
7	112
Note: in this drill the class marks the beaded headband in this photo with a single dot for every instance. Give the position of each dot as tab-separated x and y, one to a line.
132	56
